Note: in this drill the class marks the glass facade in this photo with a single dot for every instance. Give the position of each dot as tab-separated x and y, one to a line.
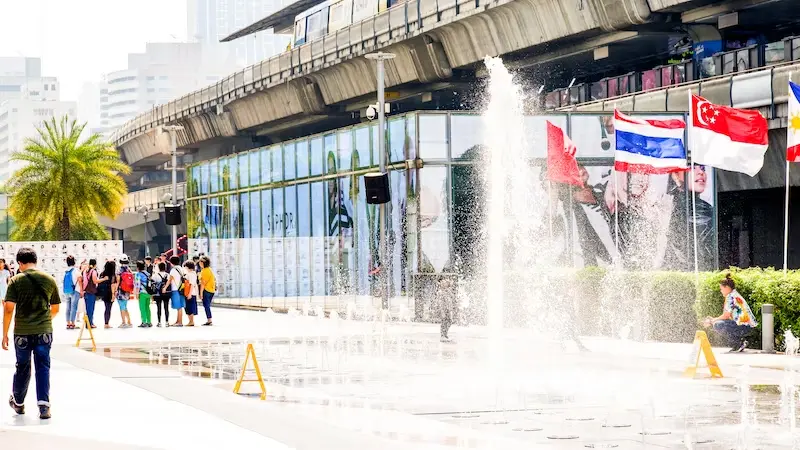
288	226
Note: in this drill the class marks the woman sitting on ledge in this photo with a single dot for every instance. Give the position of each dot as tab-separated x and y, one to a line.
736	321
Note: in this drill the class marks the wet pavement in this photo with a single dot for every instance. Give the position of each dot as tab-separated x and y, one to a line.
523	392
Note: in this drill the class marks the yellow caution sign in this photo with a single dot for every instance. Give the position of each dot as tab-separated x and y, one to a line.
701	344
251	354
86	326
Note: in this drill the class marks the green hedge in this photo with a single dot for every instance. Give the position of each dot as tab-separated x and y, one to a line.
670	308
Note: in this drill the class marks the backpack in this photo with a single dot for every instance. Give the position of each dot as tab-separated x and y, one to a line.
126	281
91	287
184	286
69	282
155	284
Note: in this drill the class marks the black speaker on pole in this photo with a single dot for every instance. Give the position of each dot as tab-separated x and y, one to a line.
172	214
377	187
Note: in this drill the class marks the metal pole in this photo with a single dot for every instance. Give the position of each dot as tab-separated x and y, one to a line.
786	225
379	58
385	264
145	234
174	153
767	328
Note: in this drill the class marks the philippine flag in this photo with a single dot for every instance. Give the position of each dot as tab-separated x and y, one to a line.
649	146
793	128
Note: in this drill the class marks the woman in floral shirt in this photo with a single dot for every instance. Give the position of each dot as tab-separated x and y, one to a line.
736	321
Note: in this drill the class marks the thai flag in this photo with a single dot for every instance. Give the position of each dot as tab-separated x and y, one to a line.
649	146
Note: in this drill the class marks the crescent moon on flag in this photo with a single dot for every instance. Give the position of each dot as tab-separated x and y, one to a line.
699	112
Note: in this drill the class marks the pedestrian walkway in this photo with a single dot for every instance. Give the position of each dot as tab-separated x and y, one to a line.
101	402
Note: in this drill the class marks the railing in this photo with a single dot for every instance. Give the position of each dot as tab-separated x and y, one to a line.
725	63
151	198
369	34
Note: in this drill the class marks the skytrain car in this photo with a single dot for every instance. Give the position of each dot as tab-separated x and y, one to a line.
333	15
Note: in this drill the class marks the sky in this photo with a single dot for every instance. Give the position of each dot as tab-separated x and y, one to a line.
80	40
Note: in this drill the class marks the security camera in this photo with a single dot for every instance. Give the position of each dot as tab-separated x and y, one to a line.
372	111
166	197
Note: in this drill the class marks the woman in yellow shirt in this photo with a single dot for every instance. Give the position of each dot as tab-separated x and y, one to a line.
208	286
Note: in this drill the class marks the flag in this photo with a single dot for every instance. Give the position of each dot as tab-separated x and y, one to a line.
562	167
727	138
649	146
793	128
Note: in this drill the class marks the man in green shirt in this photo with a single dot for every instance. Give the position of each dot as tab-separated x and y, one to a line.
34	295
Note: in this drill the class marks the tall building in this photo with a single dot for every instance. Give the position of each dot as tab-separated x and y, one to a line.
211	20
38	101
165	71
18	72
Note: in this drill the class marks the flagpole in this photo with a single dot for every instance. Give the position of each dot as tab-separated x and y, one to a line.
550	208
616	214
786	225
690	189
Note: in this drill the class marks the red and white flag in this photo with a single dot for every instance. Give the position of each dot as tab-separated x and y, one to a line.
727	138
562	167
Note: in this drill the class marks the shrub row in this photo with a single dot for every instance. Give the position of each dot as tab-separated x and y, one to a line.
669	305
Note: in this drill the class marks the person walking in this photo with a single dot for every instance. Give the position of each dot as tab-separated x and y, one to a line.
141	291
90	284
107	289
32	298
191	287
208	286
124	291
159	282
175	284
71	291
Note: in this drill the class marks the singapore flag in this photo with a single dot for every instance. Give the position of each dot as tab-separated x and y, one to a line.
727	138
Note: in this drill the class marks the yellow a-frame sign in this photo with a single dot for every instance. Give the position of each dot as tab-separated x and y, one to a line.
86	326
701	344
251	353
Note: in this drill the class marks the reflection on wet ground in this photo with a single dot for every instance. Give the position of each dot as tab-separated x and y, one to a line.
535	394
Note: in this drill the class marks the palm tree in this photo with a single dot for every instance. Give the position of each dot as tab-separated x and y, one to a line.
65	182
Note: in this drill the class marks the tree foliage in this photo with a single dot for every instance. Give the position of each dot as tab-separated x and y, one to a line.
65	182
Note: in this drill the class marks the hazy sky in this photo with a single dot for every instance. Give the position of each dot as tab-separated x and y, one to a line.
80	40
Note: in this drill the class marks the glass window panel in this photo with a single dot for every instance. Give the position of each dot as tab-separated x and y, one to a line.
345	150
332	214
213	176
362	222
317	156
411	136
243	175
397	139
278	262
347	267
224	175
205	231
319	235
362	156
233	173
331	158
255	168
290	242
276	153
266	165
255	214
233	209
304	239
289	169
467	136
434	219
397	230
244	213
194	218
433	136
191	187
267	244
203	178
301	150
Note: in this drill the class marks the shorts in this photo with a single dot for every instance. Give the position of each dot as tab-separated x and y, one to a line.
191	305
123	304
178	301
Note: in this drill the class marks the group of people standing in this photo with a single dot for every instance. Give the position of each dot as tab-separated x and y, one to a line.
163	281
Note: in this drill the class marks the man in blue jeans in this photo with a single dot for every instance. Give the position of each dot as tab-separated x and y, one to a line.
35	297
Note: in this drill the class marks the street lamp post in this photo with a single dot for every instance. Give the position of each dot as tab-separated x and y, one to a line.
173	147
379	58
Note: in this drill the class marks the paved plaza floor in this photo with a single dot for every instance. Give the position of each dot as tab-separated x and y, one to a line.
336	384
